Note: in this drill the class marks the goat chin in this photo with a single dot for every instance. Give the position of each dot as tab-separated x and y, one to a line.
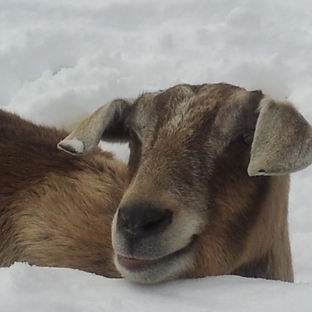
163	264
167	268
205	191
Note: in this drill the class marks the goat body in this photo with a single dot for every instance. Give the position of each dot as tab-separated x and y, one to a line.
205	192
55	210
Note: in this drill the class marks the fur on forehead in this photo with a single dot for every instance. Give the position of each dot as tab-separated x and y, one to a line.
172	99
150	108
163	98
188	105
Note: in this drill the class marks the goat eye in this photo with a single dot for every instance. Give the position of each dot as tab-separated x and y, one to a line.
248	138
133	134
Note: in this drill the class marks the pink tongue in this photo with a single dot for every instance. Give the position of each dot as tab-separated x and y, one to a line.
133	263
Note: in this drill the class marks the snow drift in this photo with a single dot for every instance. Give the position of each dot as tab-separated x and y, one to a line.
60	60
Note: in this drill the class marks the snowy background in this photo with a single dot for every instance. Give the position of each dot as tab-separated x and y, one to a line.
61	59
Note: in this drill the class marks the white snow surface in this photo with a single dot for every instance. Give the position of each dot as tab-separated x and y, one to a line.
62	59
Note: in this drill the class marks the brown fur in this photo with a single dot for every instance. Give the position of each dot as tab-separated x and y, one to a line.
191	209
244	228
55	210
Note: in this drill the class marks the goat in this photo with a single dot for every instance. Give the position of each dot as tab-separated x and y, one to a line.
55	209
208	181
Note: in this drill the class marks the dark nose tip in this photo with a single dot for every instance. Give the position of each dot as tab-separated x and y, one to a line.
143	220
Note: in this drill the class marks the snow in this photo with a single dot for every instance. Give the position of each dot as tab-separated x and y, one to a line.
49	289
62	59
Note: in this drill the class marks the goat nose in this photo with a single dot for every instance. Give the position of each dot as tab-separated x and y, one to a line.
143	219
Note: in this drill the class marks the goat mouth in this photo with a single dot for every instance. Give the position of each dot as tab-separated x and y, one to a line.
139	264
132	263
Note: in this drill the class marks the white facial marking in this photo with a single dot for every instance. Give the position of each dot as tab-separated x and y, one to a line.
73	146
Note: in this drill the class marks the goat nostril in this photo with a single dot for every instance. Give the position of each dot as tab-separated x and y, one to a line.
143	219
122	219
160	219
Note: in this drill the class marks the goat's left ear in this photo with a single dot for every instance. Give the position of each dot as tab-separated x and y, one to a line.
282	142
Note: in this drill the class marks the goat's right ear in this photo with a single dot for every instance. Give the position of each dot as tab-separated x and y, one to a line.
107	122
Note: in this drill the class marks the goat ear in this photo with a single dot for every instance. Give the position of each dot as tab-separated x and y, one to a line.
107	122
282	142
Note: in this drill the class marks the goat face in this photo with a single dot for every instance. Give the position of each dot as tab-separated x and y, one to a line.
191	203
177	159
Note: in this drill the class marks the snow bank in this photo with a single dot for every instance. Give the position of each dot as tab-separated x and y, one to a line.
62	59
32	289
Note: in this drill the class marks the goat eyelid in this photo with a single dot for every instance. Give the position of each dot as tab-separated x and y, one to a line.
133	131
248	137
